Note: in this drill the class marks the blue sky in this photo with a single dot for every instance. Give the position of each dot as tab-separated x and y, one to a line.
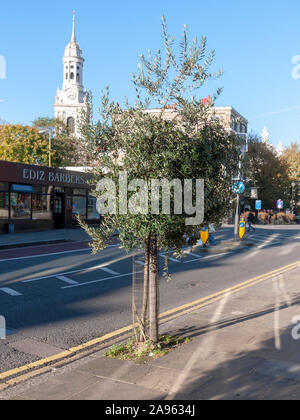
255	43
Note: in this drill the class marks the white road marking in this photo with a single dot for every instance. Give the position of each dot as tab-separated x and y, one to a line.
263	245
52	254
109	271
163	255
206	258
9	291
99	281
85	270
139	262
66	280
46	255
192	253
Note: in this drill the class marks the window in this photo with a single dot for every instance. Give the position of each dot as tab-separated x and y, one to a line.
4	205
4	186
92	210
42	206
58	205
67	76
78	77
71	125
42	189
20	204
79	207
59	189
72	76
78	191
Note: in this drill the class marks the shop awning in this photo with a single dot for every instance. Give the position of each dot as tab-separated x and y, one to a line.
22	188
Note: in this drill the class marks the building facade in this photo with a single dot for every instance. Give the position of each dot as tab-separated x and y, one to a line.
231	120
34	198
71	100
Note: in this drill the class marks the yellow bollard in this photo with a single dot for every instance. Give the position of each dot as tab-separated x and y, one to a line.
242	228
204	235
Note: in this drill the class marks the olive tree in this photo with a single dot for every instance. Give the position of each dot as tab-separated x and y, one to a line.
133	147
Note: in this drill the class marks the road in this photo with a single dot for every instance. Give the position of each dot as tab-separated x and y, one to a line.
58	296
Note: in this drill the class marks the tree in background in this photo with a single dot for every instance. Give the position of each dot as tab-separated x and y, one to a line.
66	149
267	171
152	147
30	145
23	144
292	157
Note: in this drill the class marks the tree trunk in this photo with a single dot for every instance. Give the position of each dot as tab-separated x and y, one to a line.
154	296
145	293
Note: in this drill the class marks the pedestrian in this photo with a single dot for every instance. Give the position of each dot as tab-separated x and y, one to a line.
212	230
250	220
270	217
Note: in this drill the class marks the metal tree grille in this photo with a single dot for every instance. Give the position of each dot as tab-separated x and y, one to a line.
138	262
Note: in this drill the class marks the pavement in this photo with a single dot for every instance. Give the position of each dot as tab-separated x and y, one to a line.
244	345
32	238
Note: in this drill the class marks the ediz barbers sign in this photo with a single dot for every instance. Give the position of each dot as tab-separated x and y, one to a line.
40	175
52	177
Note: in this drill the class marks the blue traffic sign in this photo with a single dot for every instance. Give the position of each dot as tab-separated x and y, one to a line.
280	204
258	205
239	187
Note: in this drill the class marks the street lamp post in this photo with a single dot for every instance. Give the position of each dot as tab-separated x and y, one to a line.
50	148
49	132
293	196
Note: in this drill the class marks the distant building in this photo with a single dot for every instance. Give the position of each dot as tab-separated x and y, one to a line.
71	100
265	136
280	149
231	120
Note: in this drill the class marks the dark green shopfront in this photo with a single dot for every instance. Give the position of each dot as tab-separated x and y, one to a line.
34	198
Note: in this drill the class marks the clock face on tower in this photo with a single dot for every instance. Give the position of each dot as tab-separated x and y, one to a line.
72	95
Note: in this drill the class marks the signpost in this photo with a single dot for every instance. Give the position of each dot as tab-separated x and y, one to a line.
238	188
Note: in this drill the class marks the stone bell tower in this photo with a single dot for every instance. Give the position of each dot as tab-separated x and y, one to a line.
72	98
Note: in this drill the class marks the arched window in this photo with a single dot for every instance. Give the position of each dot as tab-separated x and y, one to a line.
72	76
71	125
78	77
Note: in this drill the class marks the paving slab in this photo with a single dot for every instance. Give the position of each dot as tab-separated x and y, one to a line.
111	390
61	387
37	348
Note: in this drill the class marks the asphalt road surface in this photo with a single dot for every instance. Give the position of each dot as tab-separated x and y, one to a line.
54	297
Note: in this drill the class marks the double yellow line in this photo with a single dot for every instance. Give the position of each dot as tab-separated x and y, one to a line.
23	373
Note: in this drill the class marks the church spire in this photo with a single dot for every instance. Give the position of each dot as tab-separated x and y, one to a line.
73	31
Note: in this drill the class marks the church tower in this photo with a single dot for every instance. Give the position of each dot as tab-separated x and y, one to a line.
72	99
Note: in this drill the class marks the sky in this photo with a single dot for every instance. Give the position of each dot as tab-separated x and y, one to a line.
257	45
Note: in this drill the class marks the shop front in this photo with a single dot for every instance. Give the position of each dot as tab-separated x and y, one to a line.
34	198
